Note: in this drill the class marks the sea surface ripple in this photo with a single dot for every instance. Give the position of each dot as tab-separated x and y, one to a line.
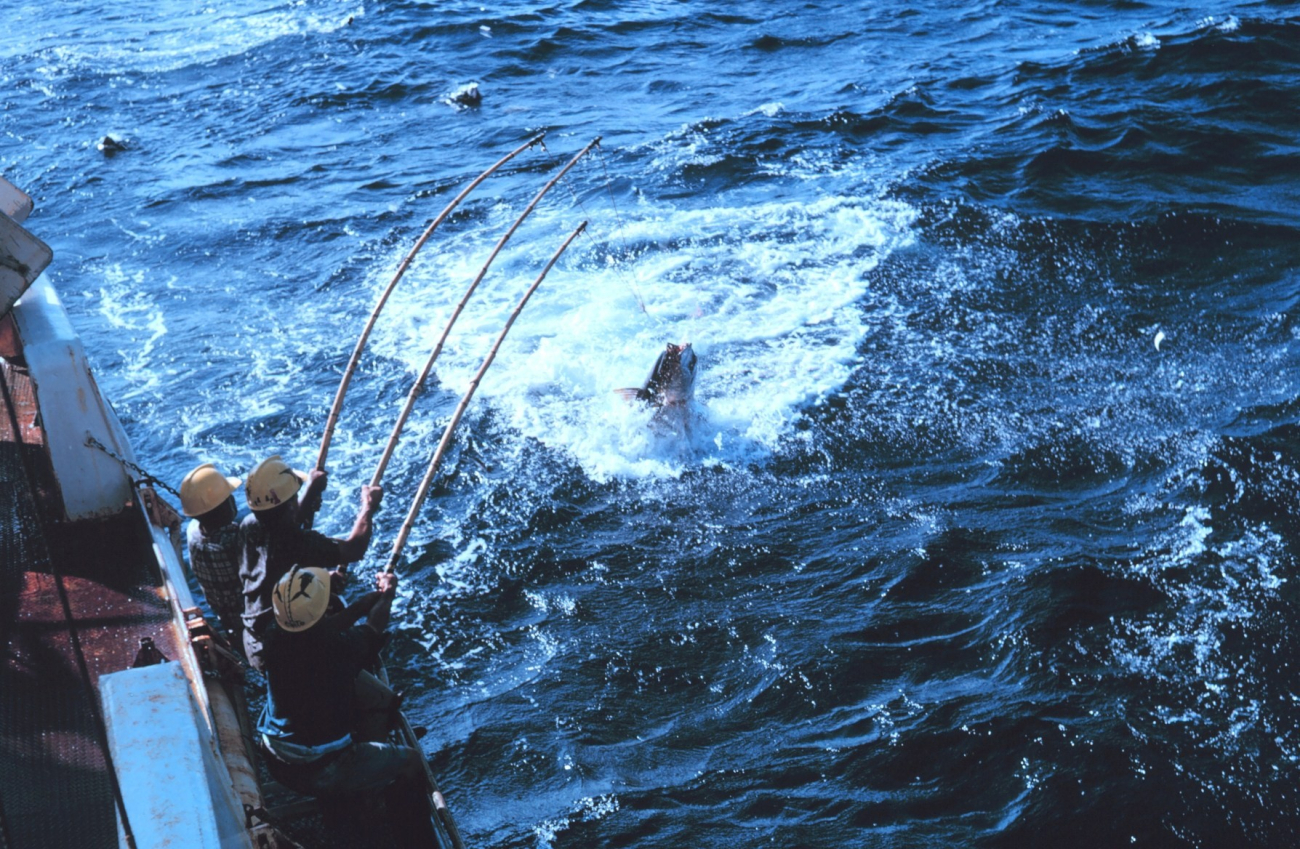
985	531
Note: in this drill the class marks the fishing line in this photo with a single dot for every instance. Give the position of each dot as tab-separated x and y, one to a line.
627	251
608	237
604	167
5	834
622	228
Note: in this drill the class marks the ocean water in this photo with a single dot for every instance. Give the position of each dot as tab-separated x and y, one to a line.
984	533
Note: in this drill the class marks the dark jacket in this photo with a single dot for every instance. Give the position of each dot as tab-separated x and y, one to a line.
268	553
311	678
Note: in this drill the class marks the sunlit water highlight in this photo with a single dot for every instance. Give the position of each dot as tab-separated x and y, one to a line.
955	553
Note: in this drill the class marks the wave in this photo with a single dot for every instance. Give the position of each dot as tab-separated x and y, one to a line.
171	37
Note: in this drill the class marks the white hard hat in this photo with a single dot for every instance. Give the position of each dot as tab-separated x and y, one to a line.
300	597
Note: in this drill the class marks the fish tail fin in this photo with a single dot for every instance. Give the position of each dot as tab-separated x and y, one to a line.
633	394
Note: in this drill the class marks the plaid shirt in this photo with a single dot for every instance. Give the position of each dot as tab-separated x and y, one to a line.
215	562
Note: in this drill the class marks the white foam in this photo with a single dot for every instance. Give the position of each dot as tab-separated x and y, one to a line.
769	294
689	145
178	36
1232	579
1196	521
1228	24
1146	41
771	110
124	302
587	809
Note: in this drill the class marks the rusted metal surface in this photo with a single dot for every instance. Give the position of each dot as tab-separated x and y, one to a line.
54	786
55	789
11	347
28	444
22	393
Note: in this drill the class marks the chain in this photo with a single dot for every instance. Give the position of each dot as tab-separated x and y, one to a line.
142	478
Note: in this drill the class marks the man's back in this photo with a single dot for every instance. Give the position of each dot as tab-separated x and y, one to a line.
311	679
268	552
214	559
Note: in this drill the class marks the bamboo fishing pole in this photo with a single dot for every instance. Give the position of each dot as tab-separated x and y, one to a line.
411	514
438	800
437	349
335	410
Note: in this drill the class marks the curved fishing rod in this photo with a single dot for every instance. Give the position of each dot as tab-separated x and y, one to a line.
405	532
435	793
333	419
437	349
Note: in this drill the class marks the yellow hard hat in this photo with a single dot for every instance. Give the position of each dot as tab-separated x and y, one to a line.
300	597
271	483
204	489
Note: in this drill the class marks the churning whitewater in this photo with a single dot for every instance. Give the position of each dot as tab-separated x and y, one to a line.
983	530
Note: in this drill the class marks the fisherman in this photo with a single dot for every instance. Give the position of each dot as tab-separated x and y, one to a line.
207	498
312	731
274	540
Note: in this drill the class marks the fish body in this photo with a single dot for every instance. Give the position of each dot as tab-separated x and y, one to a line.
669	389
672	379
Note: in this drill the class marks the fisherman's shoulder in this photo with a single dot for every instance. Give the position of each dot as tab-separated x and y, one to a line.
310	547
358	645
285	535
225	536
316	651
316	539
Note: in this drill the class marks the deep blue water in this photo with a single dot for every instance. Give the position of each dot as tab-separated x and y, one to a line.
985	533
